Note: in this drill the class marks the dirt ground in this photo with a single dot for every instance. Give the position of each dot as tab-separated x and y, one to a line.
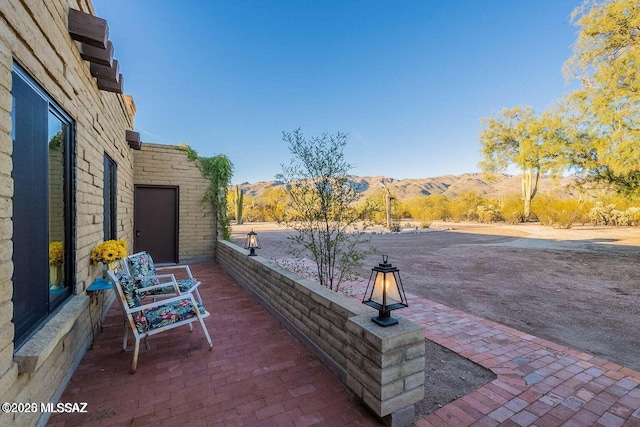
577	287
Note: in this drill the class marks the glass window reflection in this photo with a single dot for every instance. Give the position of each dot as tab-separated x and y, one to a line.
57	134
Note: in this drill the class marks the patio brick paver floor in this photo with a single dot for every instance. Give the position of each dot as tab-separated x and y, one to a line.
538	382
258	374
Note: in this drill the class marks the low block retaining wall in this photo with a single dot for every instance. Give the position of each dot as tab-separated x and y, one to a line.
384	367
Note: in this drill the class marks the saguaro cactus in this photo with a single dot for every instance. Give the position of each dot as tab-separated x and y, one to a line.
239	196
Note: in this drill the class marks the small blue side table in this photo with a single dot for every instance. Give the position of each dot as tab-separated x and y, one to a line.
98	285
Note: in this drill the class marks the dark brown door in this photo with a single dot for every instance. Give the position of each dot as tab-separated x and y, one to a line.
156	222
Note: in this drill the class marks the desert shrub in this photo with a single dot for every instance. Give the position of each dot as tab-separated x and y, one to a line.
438	207
512	210
610	214
634	216
489	213
400	208
565	218
464	207
560	213
618	201
427	208
374	208
602	214
540	206
619	218
598	214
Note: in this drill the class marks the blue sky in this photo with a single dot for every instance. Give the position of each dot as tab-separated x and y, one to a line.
409	81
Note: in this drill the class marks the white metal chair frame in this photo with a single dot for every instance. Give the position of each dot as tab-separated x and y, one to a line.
124	266
130	311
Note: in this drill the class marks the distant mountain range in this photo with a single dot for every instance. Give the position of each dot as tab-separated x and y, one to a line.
448	185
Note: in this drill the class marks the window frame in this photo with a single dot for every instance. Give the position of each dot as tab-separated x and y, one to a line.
110	198
69	202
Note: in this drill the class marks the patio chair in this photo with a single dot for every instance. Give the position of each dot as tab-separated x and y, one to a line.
140	265
145	320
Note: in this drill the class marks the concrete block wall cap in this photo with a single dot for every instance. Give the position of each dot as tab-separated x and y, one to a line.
404	333
38	348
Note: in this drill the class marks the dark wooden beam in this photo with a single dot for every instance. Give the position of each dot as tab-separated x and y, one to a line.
88	29
110	86
96	55
102	72
133	138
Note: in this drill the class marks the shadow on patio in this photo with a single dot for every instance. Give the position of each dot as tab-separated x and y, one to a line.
256	374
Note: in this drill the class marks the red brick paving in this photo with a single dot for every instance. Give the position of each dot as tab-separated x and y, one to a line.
258	374
538	382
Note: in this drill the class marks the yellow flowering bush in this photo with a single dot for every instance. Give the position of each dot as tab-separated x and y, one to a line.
56	253
109	251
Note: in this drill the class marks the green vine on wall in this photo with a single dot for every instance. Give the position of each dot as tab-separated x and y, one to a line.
218	170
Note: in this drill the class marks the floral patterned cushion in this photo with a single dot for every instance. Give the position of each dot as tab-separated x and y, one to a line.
130	290
165	315
142	265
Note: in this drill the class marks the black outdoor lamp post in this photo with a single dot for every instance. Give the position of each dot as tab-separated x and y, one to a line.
252	243
386	294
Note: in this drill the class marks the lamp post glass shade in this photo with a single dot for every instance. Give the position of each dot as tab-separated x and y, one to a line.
252	243
386	292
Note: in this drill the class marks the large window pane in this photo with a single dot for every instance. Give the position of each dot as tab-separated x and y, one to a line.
57	141
109	195
43	221
30	224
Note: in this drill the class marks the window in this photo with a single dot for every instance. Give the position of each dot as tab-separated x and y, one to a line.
109	194
43	229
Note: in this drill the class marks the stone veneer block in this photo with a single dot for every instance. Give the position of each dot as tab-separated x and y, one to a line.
385	366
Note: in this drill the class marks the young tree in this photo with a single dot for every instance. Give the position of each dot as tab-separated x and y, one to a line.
322	206
518	137
605	113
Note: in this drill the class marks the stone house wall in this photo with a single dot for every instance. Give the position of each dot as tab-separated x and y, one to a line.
35	35
157	164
